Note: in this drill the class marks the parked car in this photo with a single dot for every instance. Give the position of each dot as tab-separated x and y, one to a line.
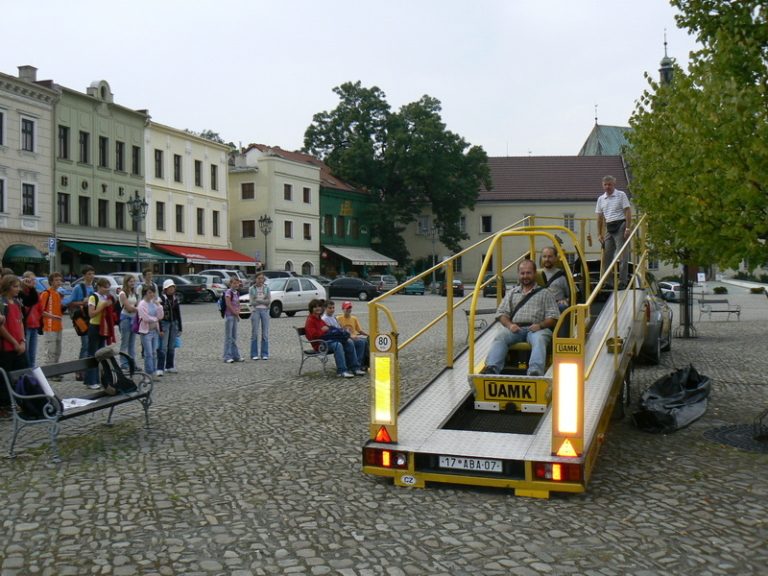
323	280
489	290
290	295
120	276
115	284
352	288
670	291
226	275
458	288
41	285
279	273
213	284
417	287
186	291
383	282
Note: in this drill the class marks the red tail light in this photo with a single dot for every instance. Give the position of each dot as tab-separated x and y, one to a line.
557	471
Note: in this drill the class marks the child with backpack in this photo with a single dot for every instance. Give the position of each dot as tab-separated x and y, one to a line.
50	304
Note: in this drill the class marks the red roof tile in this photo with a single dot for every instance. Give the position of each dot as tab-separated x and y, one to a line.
559	178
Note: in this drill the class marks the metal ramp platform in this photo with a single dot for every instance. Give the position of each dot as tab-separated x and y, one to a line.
422	421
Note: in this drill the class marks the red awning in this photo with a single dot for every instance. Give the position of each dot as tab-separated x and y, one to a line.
219	256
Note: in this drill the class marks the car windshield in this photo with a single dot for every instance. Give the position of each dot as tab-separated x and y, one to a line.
277	283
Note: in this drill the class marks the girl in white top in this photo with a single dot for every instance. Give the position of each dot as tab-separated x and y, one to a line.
129	299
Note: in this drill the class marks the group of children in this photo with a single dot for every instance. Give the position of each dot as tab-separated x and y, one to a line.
342	334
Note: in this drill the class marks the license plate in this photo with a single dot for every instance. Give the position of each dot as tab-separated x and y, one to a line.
471	464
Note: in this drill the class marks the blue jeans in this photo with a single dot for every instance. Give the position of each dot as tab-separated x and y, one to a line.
149	344
613	242
166	353
231	350
30	334
539	341
260	317
361	350
95	342
344	354
127	340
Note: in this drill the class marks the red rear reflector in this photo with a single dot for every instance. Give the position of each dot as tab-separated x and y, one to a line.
557	471
382	435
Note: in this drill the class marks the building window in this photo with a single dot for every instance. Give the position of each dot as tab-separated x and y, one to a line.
64	142
103	151
27	135
340	228
2	195
2	128
307	231
103	213
569	221
653	264
490	262
198	173
462	223
288	229
119	156
249	228
354	228
216	223
457	264
287	191
176	168
200	221
85	147
136	161
247	191
28	199
159	215
422	225
486	224
179	218
158	163
120	215
328	225
214	177
63	208
307	195
84	210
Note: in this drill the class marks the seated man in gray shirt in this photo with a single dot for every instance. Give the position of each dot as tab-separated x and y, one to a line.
527	314
554	278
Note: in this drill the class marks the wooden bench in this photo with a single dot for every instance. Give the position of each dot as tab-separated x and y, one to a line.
308	351
54	413
711	306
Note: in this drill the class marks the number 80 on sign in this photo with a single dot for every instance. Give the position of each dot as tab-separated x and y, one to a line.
383	342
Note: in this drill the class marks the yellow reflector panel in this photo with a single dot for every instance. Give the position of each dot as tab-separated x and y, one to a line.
566	449
568	398
386	458
383	388
557	472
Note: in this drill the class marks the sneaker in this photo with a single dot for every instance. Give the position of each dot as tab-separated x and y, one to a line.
172	371
229	360
240	360
159	373
359	372
265	357
94	386
489	370
346	375
255	358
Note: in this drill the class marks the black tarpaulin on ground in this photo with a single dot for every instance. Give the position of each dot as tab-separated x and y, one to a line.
673	402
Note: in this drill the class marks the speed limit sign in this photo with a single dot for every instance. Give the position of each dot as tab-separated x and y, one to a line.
383	342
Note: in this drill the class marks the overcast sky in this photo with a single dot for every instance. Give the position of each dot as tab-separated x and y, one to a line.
516	77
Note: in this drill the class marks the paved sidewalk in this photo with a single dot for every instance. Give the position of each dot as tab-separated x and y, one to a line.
249	469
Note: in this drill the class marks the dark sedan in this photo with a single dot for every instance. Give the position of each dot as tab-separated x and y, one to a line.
351	288
186	291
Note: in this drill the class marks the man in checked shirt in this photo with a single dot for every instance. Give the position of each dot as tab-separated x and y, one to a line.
532	322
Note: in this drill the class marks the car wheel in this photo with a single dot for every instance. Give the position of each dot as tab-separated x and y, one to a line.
291	314
653	357
275	309
209	296
363	296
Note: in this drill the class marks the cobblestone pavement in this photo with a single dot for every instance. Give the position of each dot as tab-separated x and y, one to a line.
249	469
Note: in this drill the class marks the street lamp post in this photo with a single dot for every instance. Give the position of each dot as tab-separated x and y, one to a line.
265	225
137	207
434	232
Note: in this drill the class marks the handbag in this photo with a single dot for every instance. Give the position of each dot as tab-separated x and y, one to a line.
79	321
334	334
135	323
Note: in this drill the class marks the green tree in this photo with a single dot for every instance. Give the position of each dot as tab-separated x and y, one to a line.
699	146
406	160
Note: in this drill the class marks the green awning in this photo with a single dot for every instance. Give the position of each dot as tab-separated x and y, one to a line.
119	253
23	253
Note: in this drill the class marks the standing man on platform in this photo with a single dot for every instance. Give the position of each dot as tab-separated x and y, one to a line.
614	221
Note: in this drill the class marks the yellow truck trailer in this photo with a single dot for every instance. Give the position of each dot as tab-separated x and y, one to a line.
532	434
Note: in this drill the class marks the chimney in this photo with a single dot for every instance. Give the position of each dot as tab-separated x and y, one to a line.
28	73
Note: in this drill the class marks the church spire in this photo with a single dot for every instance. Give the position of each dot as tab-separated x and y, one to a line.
667	70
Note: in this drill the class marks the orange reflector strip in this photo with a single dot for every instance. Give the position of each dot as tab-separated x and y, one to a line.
386	458
382	435
566	449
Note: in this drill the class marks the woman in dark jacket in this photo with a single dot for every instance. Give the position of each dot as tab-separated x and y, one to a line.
170	328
